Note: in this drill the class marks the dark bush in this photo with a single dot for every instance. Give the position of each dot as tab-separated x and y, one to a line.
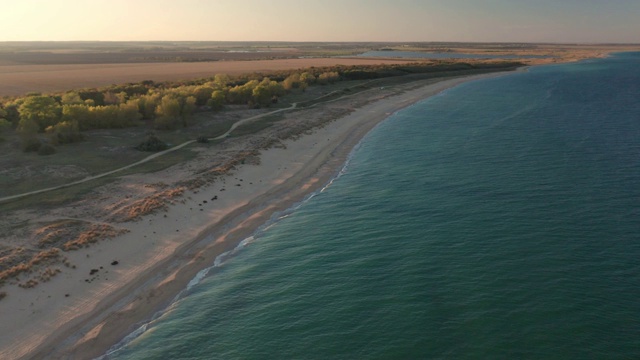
31	144
202	139
46	149
152	143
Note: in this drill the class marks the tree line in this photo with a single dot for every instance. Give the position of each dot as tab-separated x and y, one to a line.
169	105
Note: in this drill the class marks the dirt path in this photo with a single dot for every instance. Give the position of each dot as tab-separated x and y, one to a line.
186	143
158	154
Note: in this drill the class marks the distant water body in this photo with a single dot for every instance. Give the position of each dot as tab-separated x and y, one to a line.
445	55
497	220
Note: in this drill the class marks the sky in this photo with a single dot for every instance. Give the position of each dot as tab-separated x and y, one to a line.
560	21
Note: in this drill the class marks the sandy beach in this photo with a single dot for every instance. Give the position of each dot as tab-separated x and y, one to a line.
118	284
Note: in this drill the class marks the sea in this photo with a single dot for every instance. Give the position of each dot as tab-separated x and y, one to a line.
499	219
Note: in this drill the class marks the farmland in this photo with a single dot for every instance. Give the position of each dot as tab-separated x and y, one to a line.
22	79
48	67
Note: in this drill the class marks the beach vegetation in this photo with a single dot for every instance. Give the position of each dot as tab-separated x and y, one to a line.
217	100
11	113
71	98
170	105
307	78
203	94
152	144
292	81
44	111
21	261
174	111
5	126
328	77
46	149
31	144
3	114
65	132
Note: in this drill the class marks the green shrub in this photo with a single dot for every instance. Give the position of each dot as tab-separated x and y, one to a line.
152	143
31	144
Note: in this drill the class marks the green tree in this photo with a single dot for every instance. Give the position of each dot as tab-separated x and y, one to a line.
202	94
95	95
328	77
242	94
110	98
307	78
291	82
129	113
43	110
261	96
28	132
217	100
12	113
147	105
104	117
168	113
65	132
5	125
188	107
71	98
78	113
275	88
221	81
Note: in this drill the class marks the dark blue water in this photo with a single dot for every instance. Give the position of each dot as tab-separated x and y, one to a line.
445	55
497	220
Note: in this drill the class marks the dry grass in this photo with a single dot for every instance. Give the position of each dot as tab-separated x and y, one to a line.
74	234
52	238
20	260
92	235
147	205
56	233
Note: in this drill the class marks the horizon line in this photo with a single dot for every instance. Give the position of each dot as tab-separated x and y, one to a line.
324	42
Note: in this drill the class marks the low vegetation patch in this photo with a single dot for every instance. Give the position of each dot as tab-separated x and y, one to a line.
29	267
55	234
148	205
74	234
46	149
93	234
21	261
152	144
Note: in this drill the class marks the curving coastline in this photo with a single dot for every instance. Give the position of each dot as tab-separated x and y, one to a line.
162	253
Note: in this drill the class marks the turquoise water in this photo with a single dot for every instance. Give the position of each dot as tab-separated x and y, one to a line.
445	55
499	219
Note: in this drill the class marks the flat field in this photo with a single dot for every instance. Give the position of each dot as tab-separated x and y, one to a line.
48	67
22	79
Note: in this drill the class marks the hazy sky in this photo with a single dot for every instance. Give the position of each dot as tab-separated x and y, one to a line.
323	20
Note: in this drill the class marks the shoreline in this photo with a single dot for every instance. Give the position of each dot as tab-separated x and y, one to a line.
113	309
